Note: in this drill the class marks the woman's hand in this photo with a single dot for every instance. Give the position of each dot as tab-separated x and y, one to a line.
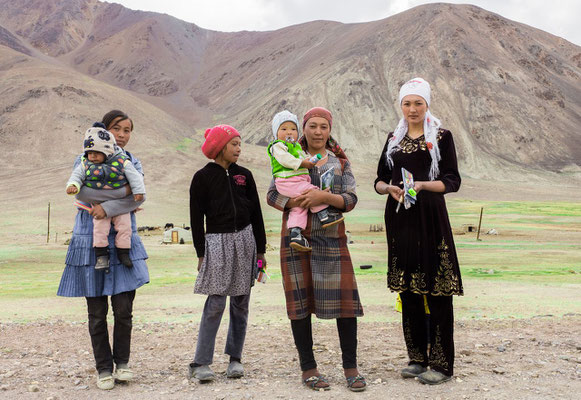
312	198
128	191
200	261
418	186
395	192
430	186
98	212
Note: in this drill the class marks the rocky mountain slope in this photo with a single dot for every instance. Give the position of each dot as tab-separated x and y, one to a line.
509	92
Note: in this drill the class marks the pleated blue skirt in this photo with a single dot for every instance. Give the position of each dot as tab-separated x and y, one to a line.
80	279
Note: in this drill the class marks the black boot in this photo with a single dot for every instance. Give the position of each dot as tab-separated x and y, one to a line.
298	241
102	255
123	256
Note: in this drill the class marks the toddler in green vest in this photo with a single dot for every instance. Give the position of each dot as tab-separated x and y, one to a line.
290	169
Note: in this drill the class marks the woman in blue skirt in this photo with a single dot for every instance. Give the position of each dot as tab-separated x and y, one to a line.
81	279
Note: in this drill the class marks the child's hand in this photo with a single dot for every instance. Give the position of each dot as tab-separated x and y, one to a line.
72	189
307	164
200	261
138	197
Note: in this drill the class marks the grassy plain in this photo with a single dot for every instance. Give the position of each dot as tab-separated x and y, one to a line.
532	267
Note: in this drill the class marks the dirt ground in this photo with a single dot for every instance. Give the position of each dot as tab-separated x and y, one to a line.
537	358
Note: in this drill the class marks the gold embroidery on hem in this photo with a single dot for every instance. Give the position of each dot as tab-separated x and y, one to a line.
437	357
414	353
446	281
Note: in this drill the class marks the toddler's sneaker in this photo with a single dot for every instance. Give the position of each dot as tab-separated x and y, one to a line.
327	219
123	256
102	254
298	241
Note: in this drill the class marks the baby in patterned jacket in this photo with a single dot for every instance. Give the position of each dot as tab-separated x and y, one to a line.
105	166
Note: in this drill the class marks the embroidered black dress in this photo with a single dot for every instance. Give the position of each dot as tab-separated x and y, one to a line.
421	253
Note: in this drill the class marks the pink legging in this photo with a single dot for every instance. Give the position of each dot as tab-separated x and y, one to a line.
101	228
293	187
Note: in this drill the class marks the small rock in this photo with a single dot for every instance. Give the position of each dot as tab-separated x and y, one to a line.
83	387
185	382
478	345
77	382
459	380
485	389
498	371
33	388
4	387
501	348
377	381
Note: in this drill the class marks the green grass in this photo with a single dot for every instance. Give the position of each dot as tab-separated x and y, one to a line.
185	144
532	267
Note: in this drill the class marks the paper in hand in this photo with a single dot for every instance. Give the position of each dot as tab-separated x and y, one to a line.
327	178
409	198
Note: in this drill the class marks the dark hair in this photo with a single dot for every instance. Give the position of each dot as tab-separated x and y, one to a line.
115	116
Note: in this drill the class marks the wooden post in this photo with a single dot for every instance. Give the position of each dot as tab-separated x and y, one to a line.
48	224
479	223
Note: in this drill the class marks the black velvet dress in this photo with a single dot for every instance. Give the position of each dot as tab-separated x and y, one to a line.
421	253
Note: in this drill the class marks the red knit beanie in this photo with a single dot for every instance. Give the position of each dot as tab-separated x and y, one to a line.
318	112
216	138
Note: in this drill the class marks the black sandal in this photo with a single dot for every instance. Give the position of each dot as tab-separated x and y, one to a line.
312	381
353	379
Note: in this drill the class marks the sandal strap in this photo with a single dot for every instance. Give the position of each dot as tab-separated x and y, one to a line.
352	379
312	381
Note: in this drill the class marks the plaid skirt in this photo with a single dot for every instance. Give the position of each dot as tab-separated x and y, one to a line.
322	281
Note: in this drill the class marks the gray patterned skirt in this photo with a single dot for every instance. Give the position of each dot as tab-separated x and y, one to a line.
229	266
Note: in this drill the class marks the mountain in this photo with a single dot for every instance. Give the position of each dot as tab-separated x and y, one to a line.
510	93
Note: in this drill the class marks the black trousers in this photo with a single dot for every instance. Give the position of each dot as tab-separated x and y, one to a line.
303	335
440	331
97	308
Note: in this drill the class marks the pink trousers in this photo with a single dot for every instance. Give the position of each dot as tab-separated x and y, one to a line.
293	187
122	224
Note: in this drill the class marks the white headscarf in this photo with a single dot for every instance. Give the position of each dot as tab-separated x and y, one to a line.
281	118
420	87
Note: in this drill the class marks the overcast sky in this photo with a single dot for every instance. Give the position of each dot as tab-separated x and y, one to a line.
559	17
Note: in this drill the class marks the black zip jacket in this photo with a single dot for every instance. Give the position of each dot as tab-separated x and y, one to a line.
228	200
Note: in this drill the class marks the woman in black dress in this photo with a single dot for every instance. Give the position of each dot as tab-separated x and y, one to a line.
422	258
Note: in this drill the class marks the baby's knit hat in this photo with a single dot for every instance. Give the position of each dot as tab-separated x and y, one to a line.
216	138
100	139
281	118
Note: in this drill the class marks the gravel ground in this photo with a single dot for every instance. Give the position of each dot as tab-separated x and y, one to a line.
537	358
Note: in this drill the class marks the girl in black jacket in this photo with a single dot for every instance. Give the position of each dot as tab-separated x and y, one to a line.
224	193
